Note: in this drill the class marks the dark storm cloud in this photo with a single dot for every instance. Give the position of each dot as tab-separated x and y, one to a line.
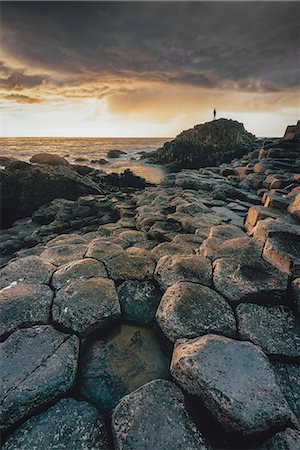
18	80
251	46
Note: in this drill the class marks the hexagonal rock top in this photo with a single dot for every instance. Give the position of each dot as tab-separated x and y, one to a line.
86	305
154	417
274	328
39	364
114	367
190	310
31	269
254	281
192	268
82	268
70	424
235	382
24	305
63	254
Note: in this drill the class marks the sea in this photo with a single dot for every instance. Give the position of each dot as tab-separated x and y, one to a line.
85	150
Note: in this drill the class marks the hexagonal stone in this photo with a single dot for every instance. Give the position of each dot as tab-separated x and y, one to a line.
235	382
68	424
82	268
63	254
139	300
133	267
39	365
155	417
103	250
114	367
190	310
24	305
193	268
284	252
63	239
249	281
86	305
31	269
274	328
170	249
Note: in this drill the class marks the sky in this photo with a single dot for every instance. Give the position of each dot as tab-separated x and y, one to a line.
126	69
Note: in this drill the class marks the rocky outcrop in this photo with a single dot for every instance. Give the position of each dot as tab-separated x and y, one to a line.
27	187
208	144
49	158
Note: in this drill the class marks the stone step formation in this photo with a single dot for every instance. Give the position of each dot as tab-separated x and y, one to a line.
162	319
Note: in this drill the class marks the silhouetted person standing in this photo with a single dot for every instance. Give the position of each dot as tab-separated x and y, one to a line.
215	113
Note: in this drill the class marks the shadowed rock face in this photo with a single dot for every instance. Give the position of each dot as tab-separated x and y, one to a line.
207	144
154	417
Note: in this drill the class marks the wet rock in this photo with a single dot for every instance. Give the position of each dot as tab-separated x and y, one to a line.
133	267
155	417
248	281
188	310
235	382
49	158
139	301
274	328
63	254
82	268
23	305
120	364
288	439
86	305
192	268
39	365
115	153
31	269
68	424
288	379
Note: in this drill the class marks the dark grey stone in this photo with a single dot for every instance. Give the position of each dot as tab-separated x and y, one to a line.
23	305
31	269
235	382
155	417
274	328
288	439
70	424
86	305
39	365
288	379
190	310
139	301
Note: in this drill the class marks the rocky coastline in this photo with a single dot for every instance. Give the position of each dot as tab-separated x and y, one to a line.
156	317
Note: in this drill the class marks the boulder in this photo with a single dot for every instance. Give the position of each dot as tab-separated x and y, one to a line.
23	305
49	158
194	268
118	365
274	328
39	365
86	305
139	301
189	310
31	269
68	424
249	281
115	153
235	382
80	269
26	187
155	417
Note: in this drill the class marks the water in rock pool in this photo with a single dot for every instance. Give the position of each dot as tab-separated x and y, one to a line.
85	150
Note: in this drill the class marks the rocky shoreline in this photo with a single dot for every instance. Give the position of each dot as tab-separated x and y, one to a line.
160	318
